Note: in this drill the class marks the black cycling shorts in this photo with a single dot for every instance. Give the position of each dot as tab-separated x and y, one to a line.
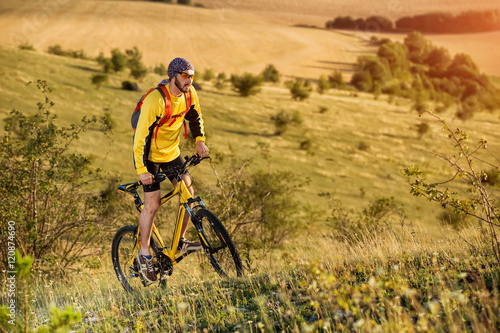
154	168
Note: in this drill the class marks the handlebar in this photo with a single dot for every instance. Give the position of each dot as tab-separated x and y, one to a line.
174	171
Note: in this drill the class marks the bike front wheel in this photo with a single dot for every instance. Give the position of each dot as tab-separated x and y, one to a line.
123	253
218	245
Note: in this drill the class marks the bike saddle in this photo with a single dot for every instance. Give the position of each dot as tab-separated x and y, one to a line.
129	187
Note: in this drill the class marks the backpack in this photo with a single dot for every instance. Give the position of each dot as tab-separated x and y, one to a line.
168	109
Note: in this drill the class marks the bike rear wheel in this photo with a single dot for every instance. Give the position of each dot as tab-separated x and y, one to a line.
123	254
218	245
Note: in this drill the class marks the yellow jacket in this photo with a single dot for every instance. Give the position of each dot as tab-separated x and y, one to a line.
163	146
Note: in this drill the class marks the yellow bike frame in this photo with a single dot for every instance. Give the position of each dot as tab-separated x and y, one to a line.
184	199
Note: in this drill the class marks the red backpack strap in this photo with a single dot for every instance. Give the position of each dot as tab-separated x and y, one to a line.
168	109
168	104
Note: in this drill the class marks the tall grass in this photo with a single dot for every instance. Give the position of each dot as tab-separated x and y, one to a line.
387	282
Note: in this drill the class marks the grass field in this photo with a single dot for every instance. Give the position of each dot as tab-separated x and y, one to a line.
358	146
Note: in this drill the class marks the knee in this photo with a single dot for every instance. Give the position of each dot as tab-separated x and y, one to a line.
150	207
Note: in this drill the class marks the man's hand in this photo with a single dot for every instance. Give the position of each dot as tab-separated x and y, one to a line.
201	149
146	178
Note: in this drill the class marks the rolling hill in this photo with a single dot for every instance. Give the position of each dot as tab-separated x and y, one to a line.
358	146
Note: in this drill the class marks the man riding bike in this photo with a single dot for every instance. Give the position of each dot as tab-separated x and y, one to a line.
156	147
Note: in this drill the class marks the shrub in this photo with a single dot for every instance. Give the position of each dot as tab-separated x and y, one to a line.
422	129
283	119
271	74
336	80
246	84
129	85
299	89
220	81
160	70
61	222
259	208
99	79
476	201
184	2
491	177
118	60
57	50
106	63
323	84
363	146
134	61
26	46
208	75
323	109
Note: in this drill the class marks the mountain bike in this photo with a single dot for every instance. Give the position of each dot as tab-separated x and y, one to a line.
217	244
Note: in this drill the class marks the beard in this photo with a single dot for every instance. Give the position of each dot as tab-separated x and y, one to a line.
184	89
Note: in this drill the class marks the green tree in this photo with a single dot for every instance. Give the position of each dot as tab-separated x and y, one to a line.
283	119
418	46
220	81
161	70
118	60
106	64
208	75
271	74
336	80
300	89
247	84
134	61
397	57
323	84
99	79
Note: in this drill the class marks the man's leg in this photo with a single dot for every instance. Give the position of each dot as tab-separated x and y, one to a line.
151	204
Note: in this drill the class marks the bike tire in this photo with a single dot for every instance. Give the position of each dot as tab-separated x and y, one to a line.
219	247
122	252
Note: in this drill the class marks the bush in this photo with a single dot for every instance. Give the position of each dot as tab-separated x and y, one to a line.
57	50
208	75
336	80
422	129
271	74
259	208
184	2
134	61
220	81
283	119
62	222
129	85
323	84
491	177
118	60
99	79
246	84
475	201
26	46
107	65
299	89
160	70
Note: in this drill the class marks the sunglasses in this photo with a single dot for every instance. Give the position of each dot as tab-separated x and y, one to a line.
187	76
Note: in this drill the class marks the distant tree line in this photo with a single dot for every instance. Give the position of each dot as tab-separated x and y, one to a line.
418	70
470	21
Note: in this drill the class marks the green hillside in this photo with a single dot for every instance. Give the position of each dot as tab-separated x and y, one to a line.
358	146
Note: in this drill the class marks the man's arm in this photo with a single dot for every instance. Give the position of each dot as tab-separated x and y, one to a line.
150	111
196	126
